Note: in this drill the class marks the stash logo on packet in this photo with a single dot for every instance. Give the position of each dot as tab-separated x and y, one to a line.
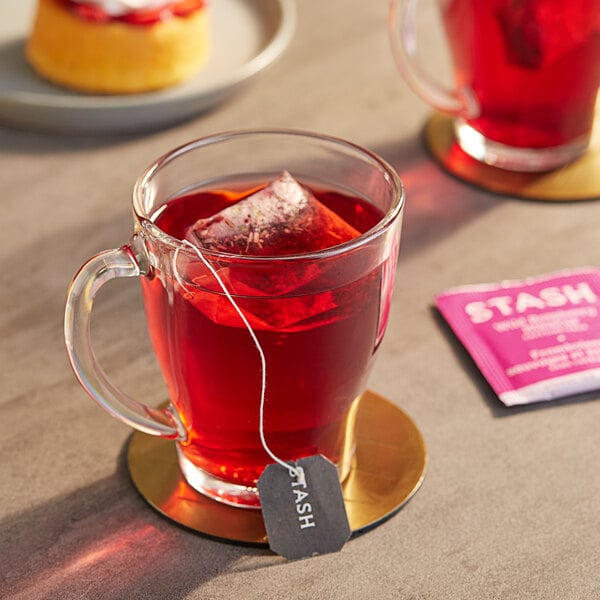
533	339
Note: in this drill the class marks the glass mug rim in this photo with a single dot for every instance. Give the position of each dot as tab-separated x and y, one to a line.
150	228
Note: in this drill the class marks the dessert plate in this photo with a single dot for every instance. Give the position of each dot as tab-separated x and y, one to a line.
247	36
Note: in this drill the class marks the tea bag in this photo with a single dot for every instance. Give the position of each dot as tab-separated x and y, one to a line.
522	36
281	219
538	33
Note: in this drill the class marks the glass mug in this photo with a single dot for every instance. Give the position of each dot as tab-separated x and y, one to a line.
319	316
527	74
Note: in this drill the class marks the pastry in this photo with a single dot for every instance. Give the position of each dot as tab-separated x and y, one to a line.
118	46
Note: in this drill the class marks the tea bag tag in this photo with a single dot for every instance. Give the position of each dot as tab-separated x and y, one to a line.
304	514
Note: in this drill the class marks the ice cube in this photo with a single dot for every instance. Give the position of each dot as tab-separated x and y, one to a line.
281	219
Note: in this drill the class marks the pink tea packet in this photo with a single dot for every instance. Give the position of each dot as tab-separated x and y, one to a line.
533	339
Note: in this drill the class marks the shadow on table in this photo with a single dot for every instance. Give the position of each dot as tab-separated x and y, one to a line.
436	203
104	541
25	140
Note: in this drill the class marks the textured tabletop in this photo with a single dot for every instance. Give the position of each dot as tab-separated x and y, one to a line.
510	506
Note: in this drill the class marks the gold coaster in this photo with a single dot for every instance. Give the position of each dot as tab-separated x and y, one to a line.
579	180
388	468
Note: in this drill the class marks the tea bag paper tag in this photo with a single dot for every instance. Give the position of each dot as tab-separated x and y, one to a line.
305	515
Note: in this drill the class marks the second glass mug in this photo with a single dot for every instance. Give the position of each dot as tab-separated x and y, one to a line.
527	74
319	316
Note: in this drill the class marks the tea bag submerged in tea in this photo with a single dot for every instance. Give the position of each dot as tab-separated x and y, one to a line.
521	35
537	32
280	219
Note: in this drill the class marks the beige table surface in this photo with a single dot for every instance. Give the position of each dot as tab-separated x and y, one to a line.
510	507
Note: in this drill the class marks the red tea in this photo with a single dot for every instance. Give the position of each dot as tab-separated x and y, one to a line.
318	328
534	66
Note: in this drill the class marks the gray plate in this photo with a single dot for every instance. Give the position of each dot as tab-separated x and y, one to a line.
247	36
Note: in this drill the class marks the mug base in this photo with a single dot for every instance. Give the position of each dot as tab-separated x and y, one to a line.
511	158
577	181
243	496
388	468
232	494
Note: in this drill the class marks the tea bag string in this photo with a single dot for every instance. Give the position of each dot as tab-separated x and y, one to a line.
296	472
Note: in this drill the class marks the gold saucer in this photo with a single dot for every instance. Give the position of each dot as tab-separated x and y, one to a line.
388	468
579	180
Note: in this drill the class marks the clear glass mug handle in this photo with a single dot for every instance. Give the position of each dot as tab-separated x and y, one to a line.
97	271
403	39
